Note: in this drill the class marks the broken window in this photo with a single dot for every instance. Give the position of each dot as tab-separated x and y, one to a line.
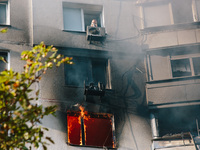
77	17
181	68
90	129
87	70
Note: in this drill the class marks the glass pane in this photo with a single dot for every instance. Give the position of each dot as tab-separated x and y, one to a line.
74	130
99	72
198	8
72	19
2	13
181	68
182	11
79	72
196	64
98	132
154	15
3	65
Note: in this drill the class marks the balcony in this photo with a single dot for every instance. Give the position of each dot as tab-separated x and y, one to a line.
173	92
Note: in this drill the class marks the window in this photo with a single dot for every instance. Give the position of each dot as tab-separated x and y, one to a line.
181	68
77	17
4	13
4	65
170	12
90	129
185	67
87	70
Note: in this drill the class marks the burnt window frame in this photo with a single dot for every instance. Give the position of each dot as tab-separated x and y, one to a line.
143	5
88	72
82	129
191	64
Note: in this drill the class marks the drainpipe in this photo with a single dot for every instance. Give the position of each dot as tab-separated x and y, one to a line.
154	126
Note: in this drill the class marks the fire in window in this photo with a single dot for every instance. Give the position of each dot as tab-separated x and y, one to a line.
90	129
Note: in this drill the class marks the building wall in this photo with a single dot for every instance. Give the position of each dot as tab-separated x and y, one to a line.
126	98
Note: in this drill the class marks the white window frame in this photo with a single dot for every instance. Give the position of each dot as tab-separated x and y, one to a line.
83	7
7	3
196	18
190	62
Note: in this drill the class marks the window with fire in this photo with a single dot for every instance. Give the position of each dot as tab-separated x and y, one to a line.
90	129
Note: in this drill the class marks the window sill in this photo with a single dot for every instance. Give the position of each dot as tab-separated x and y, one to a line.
174	79
74	31
5	25
173	27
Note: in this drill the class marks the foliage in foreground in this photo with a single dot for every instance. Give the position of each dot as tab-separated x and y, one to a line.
20	114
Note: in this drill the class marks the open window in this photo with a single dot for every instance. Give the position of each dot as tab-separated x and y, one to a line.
77	17
181	68
90	129
88	70
4	12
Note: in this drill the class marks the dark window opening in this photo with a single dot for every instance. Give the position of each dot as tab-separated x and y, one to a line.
91	129
196	64
86	70
3	12
3	65
178	120
181	68
88	17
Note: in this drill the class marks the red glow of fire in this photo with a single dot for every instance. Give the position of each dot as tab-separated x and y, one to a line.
97	130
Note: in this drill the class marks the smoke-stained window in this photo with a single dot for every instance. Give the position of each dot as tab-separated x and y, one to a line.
90	129
181	68
76	17
88	70
4	12
196	64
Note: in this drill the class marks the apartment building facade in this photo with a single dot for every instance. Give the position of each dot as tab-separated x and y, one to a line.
106	80
171	31
110	97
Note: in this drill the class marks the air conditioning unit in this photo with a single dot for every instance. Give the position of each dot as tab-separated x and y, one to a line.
95	33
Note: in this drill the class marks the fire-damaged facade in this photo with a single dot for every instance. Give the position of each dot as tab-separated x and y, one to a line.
172	55
135	79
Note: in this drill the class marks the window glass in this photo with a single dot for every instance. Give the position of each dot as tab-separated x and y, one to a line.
3	65
72	19
157	15
182	11
198	9
85	70
181	68
3	8
90	129
196	64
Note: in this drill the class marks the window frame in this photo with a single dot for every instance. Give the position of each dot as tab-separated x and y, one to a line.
191	63
196	17
8	58
7	3
84	8
90	61
80	121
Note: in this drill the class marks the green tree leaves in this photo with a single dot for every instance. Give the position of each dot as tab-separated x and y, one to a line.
20	115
